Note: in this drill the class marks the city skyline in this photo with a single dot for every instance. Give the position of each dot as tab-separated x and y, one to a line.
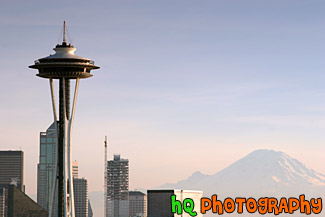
224	78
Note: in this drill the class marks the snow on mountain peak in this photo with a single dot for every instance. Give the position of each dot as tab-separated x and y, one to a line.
261	171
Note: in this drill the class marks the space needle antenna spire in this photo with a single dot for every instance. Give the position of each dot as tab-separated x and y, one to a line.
64	28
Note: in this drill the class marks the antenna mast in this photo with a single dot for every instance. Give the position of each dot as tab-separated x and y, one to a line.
105	178
64	32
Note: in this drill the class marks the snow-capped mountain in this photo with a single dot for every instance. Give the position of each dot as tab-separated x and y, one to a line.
261	173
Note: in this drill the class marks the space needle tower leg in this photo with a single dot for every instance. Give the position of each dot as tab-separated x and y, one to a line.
69	194
55	180
66	121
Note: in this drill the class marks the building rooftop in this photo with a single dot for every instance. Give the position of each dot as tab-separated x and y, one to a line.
172	190
135	193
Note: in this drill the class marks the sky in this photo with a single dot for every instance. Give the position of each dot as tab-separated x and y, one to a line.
184	85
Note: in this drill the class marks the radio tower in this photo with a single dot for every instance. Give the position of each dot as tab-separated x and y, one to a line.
63	66
105	178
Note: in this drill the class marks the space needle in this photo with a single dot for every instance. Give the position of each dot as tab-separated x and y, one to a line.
63	66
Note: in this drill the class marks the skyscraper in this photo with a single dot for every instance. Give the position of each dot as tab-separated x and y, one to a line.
11	172
46	166
80	188
117	187
12	169
45	176
138	204
75	169
64	66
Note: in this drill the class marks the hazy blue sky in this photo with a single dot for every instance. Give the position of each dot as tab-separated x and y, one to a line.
184	85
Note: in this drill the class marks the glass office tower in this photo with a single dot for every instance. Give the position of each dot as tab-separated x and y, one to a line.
46	166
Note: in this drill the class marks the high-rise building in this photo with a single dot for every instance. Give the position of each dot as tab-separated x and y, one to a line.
80	188
138	204
117	203
75	169
46	166
159	202
45	176
12	169
11	172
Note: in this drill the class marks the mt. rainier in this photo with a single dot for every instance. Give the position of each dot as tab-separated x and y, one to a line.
261	173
